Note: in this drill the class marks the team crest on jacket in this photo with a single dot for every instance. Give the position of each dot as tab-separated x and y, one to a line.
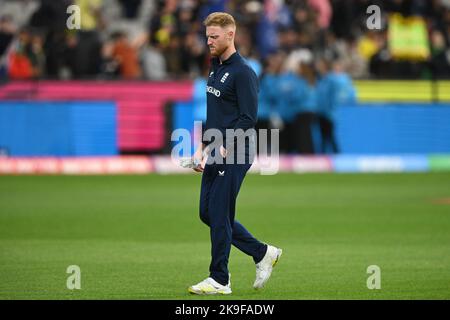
225	76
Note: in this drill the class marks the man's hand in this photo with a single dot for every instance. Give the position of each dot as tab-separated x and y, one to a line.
223	152
200	159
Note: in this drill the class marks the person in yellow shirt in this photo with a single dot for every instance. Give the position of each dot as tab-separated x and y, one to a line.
368	45
88	52
90	14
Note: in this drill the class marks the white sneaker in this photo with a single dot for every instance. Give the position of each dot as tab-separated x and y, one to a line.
265	266
210	286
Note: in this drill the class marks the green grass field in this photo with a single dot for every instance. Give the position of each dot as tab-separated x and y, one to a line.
139	237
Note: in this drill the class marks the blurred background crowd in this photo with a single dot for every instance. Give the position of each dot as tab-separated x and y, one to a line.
306	52
164	39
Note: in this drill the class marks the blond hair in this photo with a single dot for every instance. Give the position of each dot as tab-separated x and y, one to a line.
221	19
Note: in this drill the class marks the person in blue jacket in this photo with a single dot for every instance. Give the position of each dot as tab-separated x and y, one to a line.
268	96
287	97
306	104
335	90
232	104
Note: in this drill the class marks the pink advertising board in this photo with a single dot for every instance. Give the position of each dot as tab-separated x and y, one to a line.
140	105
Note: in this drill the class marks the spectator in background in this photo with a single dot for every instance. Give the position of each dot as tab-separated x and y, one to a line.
92	19
287	90
153	63
265	34
130	8
352	60
88	51
298	40
194	55
342	18
190	48
326	107
174	56
161	54
380	62
163	24
348	52
447	29
335	89
185	19
50	20
37	54
440	56
368	45
163	35
26	59
306	103
7	31
304	20
123	56
173	43
19	62
268	117
69	64
193	50
251	58
210	6
324	12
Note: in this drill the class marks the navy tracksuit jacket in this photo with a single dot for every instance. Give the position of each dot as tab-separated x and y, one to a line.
232	103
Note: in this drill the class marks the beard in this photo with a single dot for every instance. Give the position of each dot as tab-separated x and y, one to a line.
217	51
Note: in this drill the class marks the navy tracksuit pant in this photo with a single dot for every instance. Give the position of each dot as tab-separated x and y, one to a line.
219	190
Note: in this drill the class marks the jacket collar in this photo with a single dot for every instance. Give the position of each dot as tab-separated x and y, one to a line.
230	59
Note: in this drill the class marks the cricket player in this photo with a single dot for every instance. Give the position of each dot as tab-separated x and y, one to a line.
232	103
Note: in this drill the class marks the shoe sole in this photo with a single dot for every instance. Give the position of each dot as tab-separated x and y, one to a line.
203	293
279	253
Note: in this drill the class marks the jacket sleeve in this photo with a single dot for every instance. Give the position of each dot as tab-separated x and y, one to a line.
247	98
